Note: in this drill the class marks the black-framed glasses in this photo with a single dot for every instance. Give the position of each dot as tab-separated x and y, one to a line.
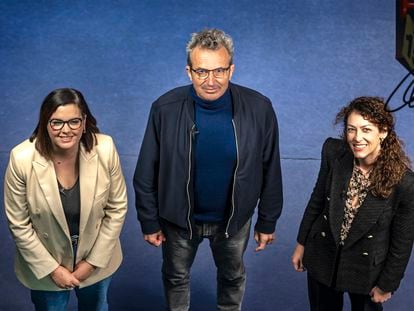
57	124
204	73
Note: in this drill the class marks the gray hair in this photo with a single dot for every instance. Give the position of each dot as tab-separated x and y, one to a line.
211	39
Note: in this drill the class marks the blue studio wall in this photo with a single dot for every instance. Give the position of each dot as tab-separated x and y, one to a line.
309	57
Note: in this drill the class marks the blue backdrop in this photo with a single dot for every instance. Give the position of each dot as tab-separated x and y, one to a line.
309	57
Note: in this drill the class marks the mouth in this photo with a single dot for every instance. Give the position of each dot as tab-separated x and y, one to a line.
211	89
66	139
358	147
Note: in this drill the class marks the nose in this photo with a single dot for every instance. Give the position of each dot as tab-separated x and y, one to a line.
358	136
210	78
66	127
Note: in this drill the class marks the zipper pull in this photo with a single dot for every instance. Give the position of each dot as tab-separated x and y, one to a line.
194	132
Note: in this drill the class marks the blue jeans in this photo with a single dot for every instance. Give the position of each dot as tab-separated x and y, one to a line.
178	257
90	298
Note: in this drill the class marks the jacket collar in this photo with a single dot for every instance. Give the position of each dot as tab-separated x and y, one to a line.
190	101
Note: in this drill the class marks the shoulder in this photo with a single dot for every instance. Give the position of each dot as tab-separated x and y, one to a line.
103	139
334	144
22	156
335	148
23	151
407	181
248	94
103	142
173	96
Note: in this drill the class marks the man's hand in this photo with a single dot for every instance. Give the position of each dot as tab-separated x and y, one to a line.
263	239
83	270
297	258
378	295
63	278
155	238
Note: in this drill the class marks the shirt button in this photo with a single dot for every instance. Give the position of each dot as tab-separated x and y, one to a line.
328	198
364	254
370	236
324	217
323	234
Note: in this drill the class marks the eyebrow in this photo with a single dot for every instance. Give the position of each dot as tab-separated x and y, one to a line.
363	126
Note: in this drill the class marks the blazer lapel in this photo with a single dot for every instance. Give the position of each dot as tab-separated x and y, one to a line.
341	175
88	168
368	214
46	177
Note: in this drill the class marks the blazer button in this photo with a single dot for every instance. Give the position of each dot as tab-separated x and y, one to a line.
328	198
323	234
364	254
370	236
45	235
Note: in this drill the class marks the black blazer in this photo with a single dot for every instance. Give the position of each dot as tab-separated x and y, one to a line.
378	246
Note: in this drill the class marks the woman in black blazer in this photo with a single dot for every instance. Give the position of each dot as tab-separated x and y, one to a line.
357	231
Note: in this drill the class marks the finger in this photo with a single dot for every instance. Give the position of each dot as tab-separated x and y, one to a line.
261	246
298	266
155	242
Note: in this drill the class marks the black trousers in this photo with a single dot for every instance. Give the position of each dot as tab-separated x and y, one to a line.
325	298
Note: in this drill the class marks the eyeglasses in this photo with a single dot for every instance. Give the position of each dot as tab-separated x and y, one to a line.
57	124
204	73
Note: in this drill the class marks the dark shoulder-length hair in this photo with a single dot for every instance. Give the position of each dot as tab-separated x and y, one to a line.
55	99
392	161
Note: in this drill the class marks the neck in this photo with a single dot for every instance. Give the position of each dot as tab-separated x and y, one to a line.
65	156
365	168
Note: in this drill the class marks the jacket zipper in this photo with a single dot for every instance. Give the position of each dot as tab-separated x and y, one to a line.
234	180
188	181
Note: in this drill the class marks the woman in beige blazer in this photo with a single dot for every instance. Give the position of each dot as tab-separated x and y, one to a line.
66	201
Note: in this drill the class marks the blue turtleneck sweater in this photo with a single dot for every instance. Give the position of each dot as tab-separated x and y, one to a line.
215	157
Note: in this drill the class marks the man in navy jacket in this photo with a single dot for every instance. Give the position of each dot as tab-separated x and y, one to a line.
209	156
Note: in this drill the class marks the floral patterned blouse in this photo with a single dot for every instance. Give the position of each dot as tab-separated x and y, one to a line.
357	190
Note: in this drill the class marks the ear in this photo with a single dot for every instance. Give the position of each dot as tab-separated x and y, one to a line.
384	134
231	71
188	69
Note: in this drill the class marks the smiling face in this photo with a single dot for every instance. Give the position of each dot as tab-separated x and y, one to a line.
364	138
210	88
66	139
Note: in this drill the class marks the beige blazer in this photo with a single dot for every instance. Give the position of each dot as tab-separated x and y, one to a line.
37	220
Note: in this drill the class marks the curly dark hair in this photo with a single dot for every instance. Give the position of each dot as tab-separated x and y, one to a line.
392	161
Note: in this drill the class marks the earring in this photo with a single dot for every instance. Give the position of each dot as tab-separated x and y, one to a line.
381	140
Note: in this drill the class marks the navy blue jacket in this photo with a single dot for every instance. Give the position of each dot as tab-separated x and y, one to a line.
163	175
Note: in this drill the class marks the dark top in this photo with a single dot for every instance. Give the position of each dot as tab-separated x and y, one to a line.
71	206
215	157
